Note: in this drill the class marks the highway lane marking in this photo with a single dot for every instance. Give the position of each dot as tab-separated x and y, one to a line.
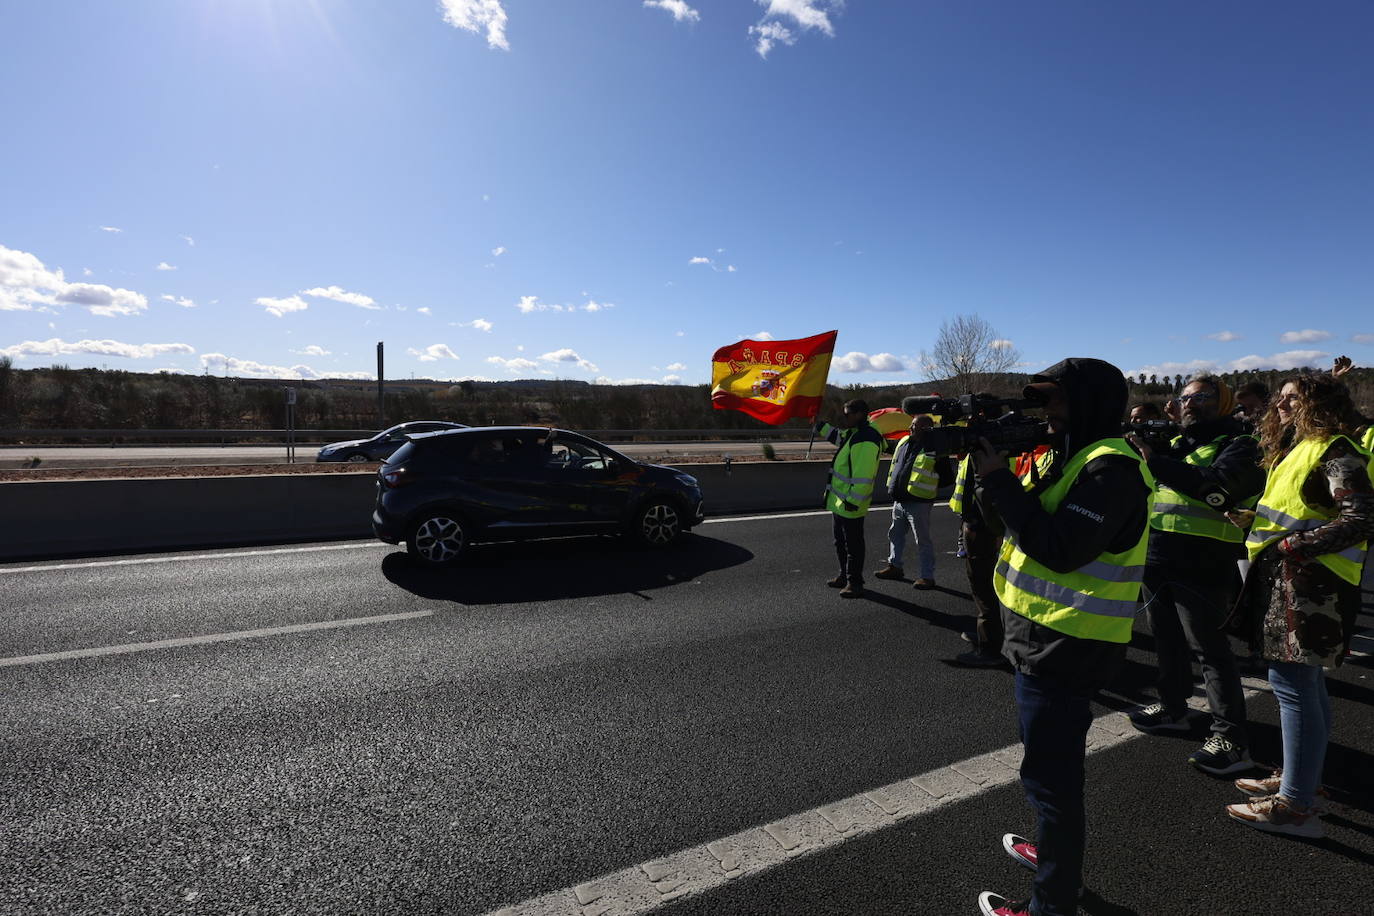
178	558
160	644
701	869
368	545
759	518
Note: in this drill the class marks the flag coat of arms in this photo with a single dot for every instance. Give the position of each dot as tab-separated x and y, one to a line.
772	380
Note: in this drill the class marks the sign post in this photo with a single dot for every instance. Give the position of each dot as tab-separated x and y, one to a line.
290	426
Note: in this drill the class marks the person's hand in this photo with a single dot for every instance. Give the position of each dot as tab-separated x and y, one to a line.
1341	366
1140	446
816	427
1241	518
986	459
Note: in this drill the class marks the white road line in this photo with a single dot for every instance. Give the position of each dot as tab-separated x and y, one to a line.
366	545
18	660
701	869
179	558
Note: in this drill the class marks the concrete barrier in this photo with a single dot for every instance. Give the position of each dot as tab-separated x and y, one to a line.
66	518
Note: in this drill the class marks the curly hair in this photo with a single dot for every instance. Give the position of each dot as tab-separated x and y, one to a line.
1323	409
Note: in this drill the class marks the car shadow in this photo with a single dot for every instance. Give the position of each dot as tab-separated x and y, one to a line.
561	568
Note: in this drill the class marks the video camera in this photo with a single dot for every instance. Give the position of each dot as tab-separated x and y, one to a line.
1157	434
999	420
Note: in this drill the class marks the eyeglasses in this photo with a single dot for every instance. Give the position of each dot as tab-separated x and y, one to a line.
1200	397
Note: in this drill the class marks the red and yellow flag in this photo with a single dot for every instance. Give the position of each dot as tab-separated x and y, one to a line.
772	380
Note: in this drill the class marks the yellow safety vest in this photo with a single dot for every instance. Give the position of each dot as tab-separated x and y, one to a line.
921	483
853	471
1095	601
1182	514
1282	510
956	499
1367	440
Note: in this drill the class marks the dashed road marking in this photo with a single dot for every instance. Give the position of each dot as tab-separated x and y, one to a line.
207	639
183	557
701	869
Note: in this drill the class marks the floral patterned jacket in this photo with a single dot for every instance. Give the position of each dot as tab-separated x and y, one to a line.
1294	609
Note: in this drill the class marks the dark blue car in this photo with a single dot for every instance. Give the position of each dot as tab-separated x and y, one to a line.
440	492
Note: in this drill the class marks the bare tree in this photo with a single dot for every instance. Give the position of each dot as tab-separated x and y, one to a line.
968	350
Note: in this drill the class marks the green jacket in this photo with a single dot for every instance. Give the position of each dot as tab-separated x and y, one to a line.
849	491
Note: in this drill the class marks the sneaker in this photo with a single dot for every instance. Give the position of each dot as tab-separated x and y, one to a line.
923	584
1155	718
969	636
890	572
1221	757
837	582
1273	814
1021	850
976	658
853	590
990	904
961	553
1259	787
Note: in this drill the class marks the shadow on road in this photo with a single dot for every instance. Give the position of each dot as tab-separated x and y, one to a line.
557	569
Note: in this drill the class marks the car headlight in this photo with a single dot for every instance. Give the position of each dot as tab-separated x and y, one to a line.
687	480
328	450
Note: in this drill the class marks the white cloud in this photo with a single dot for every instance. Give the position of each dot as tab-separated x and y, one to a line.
594	306
568	355
804	14
188	240
230	365
770	34
699	260
163	265
111	229
1305	336
180	300
672	379
498	251
730	268
312	350
26	283
1001	343
1362	338
761	335
679	8
679	333
676	367
1224	336
529	304
341	295
424	310
854	361
480	324
433	352
279	307
518	364
86	271
474	15
56	347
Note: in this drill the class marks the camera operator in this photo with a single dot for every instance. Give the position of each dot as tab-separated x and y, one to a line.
1252	403
1144	412
1068	580
849	490
1212	467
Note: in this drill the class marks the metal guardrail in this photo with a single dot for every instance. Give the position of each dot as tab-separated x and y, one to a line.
310	436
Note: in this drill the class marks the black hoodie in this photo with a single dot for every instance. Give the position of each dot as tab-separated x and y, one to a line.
1105	511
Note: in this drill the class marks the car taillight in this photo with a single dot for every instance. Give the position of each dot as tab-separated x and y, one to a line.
394	477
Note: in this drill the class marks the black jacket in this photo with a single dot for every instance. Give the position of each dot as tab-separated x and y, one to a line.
1236	473
1105	511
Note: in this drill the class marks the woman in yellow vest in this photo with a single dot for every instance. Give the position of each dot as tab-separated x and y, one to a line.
1307	546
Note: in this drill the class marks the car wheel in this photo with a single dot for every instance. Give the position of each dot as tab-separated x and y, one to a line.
438	540
658	523
356	458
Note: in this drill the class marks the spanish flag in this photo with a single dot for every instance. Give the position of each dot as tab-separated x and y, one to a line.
772	380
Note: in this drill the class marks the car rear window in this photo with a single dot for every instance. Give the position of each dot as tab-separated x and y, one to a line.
505	448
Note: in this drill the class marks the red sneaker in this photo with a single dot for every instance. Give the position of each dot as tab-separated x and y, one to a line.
990	904
1021	850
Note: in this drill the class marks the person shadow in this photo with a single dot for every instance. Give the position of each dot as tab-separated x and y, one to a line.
553	569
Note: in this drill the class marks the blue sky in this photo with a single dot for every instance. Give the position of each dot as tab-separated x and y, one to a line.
611	189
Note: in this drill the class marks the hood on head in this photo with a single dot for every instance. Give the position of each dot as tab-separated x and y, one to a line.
1096	392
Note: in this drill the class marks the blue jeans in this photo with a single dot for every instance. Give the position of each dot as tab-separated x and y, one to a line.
1054	732
912	516
1305	717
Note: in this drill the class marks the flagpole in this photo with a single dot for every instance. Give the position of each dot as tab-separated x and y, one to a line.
813	435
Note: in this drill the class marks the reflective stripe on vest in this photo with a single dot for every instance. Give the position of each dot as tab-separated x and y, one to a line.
1182	514
1098	600
956	499
844	486
1282	510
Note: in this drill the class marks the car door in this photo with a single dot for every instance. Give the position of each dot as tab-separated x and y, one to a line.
590	484
506	483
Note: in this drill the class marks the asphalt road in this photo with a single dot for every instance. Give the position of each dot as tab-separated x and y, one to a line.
14	456
336	731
